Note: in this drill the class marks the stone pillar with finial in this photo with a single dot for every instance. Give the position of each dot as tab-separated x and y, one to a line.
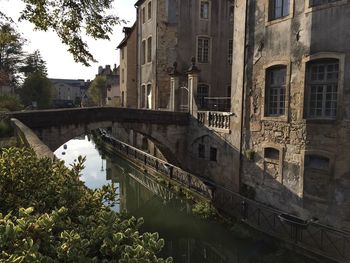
174	85
193	74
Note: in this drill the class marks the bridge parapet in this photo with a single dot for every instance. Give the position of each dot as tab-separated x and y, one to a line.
26	137
58	117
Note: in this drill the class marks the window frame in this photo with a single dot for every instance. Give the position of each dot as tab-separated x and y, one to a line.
309	8
149	10
230	52
143	15
304	98
208	2
269	21
211	151
149	50
278	162
204	105
143	56
318	152
285	117
202	53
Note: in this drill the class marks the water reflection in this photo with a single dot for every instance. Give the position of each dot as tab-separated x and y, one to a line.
188	238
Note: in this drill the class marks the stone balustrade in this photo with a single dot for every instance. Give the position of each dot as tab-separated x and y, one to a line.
215	119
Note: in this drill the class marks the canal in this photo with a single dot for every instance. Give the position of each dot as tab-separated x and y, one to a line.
188	238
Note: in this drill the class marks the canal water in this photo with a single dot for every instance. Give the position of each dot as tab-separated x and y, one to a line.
188	238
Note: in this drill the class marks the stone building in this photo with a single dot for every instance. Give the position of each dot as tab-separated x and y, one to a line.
113	87
128	65
175	31
68	92
290	77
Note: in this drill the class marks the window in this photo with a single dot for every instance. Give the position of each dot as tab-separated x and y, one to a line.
149	7
321	2
142	97
230	51
201	151
123	75
272	154
202	94
143	15
213	154
204	12
203	49
322	88
149	49
149	97
143	52
317	162
275	92
278	9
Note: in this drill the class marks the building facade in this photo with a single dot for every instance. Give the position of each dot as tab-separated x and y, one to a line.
113	88
175	31
128	65
68	92
291	100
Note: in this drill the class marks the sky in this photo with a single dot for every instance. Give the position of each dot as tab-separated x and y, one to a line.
60	63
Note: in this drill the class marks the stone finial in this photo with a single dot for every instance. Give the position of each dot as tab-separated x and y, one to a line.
173	71
193	68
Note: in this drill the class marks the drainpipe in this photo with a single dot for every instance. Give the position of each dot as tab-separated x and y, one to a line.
243	90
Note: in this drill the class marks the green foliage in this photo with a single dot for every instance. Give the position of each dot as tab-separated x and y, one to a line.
11	53
37	87
48	215
72	19
204	209
98	90
9	102
34	63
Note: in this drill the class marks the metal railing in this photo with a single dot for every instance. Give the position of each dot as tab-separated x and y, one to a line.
311	236
172	172
319	239
214	119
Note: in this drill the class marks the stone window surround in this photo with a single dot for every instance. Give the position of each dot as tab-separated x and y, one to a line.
269	22
281	150
327	154
149	12
146	51
283	118
309	9
209	52
209	10
323	55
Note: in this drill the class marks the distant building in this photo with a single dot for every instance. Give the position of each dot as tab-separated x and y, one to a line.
128	65
175	31
113	88
68	92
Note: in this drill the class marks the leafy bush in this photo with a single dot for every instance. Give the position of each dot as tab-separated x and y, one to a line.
204	209
48	215
10	102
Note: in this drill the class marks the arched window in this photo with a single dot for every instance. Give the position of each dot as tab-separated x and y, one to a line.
275	91
322	78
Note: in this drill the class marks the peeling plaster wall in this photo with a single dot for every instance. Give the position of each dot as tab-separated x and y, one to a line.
291	41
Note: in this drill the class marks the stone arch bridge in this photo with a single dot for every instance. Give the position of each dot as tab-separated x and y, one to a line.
168	130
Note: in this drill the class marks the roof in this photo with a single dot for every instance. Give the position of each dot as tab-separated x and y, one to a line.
139	2
127	31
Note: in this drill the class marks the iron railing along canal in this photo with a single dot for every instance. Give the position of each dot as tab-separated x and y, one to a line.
308	235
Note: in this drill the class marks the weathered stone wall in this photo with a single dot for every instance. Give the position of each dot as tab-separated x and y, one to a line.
128	64
26	137
284	182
